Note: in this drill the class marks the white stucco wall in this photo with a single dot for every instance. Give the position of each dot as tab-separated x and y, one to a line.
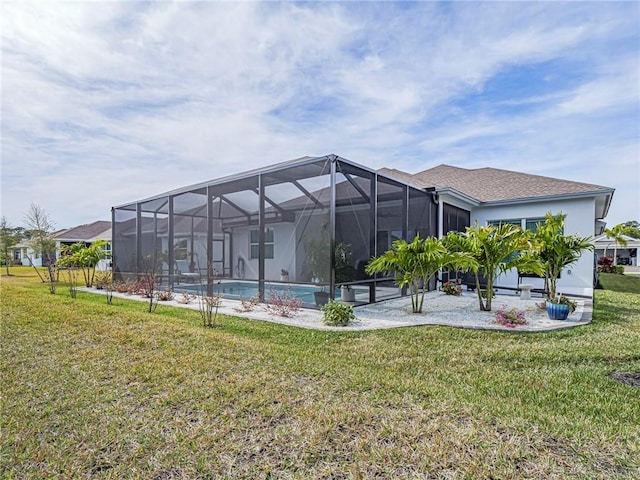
577	279
28	252
284	244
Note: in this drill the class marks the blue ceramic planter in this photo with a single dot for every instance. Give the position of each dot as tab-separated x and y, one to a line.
557	311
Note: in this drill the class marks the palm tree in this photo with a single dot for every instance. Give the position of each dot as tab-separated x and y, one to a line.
412	264
616	235
85	257
558	251
492	251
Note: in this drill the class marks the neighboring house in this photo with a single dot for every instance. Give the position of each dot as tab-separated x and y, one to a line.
622	254
22	252
89	233
289	217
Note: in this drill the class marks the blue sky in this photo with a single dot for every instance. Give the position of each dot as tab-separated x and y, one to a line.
109	102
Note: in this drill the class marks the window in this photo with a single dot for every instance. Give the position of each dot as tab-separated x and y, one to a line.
495	223
530	223
180	249
254	244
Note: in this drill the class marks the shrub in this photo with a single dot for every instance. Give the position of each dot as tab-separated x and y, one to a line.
510	318
164	295
185	298
605	265
619	270
247	305
452	288
208	307
147	285
283	304
122	287
337	314
101	279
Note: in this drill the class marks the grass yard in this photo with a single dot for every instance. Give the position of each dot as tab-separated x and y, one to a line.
91	390
620	283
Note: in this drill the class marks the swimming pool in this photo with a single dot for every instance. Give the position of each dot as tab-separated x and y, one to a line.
245	290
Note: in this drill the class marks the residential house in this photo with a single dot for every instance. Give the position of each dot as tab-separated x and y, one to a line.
626	254
237	235
88	234
492	196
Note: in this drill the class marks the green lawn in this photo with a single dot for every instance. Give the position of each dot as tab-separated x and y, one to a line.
620	283
91	390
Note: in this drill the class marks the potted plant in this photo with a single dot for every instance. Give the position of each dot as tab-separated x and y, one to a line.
560	307
317	251
344	269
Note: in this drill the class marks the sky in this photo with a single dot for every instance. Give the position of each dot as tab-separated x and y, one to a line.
104	103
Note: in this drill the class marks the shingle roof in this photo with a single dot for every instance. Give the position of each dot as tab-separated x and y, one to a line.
89	231
493	184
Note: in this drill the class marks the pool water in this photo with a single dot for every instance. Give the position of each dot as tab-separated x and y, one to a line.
246	290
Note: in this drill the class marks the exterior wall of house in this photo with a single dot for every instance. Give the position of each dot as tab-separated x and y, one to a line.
20	255
284	244
577	279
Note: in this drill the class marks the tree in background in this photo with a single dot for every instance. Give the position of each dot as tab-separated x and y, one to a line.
9	237
631	229
39	228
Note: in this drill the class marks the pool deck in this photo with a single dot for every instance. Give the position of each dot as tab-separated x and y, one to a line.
438	309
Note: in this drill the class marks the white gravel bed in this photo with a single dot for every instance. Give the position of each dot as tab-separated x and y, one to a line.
438	309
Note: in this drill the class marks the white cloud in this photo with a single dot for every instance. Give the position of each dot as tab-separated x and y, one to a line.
108	102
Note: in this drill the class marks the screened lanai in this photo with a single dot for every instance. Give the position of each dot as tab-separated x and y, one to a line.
308	226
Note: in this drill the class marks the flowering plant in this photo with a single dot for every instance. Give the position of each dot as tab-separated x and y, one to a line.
452	288
510	318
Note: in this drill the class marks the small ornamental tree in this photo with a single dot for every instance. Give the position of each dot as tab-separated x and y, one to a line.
412	264
40	233
150	277
492	251
558	251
